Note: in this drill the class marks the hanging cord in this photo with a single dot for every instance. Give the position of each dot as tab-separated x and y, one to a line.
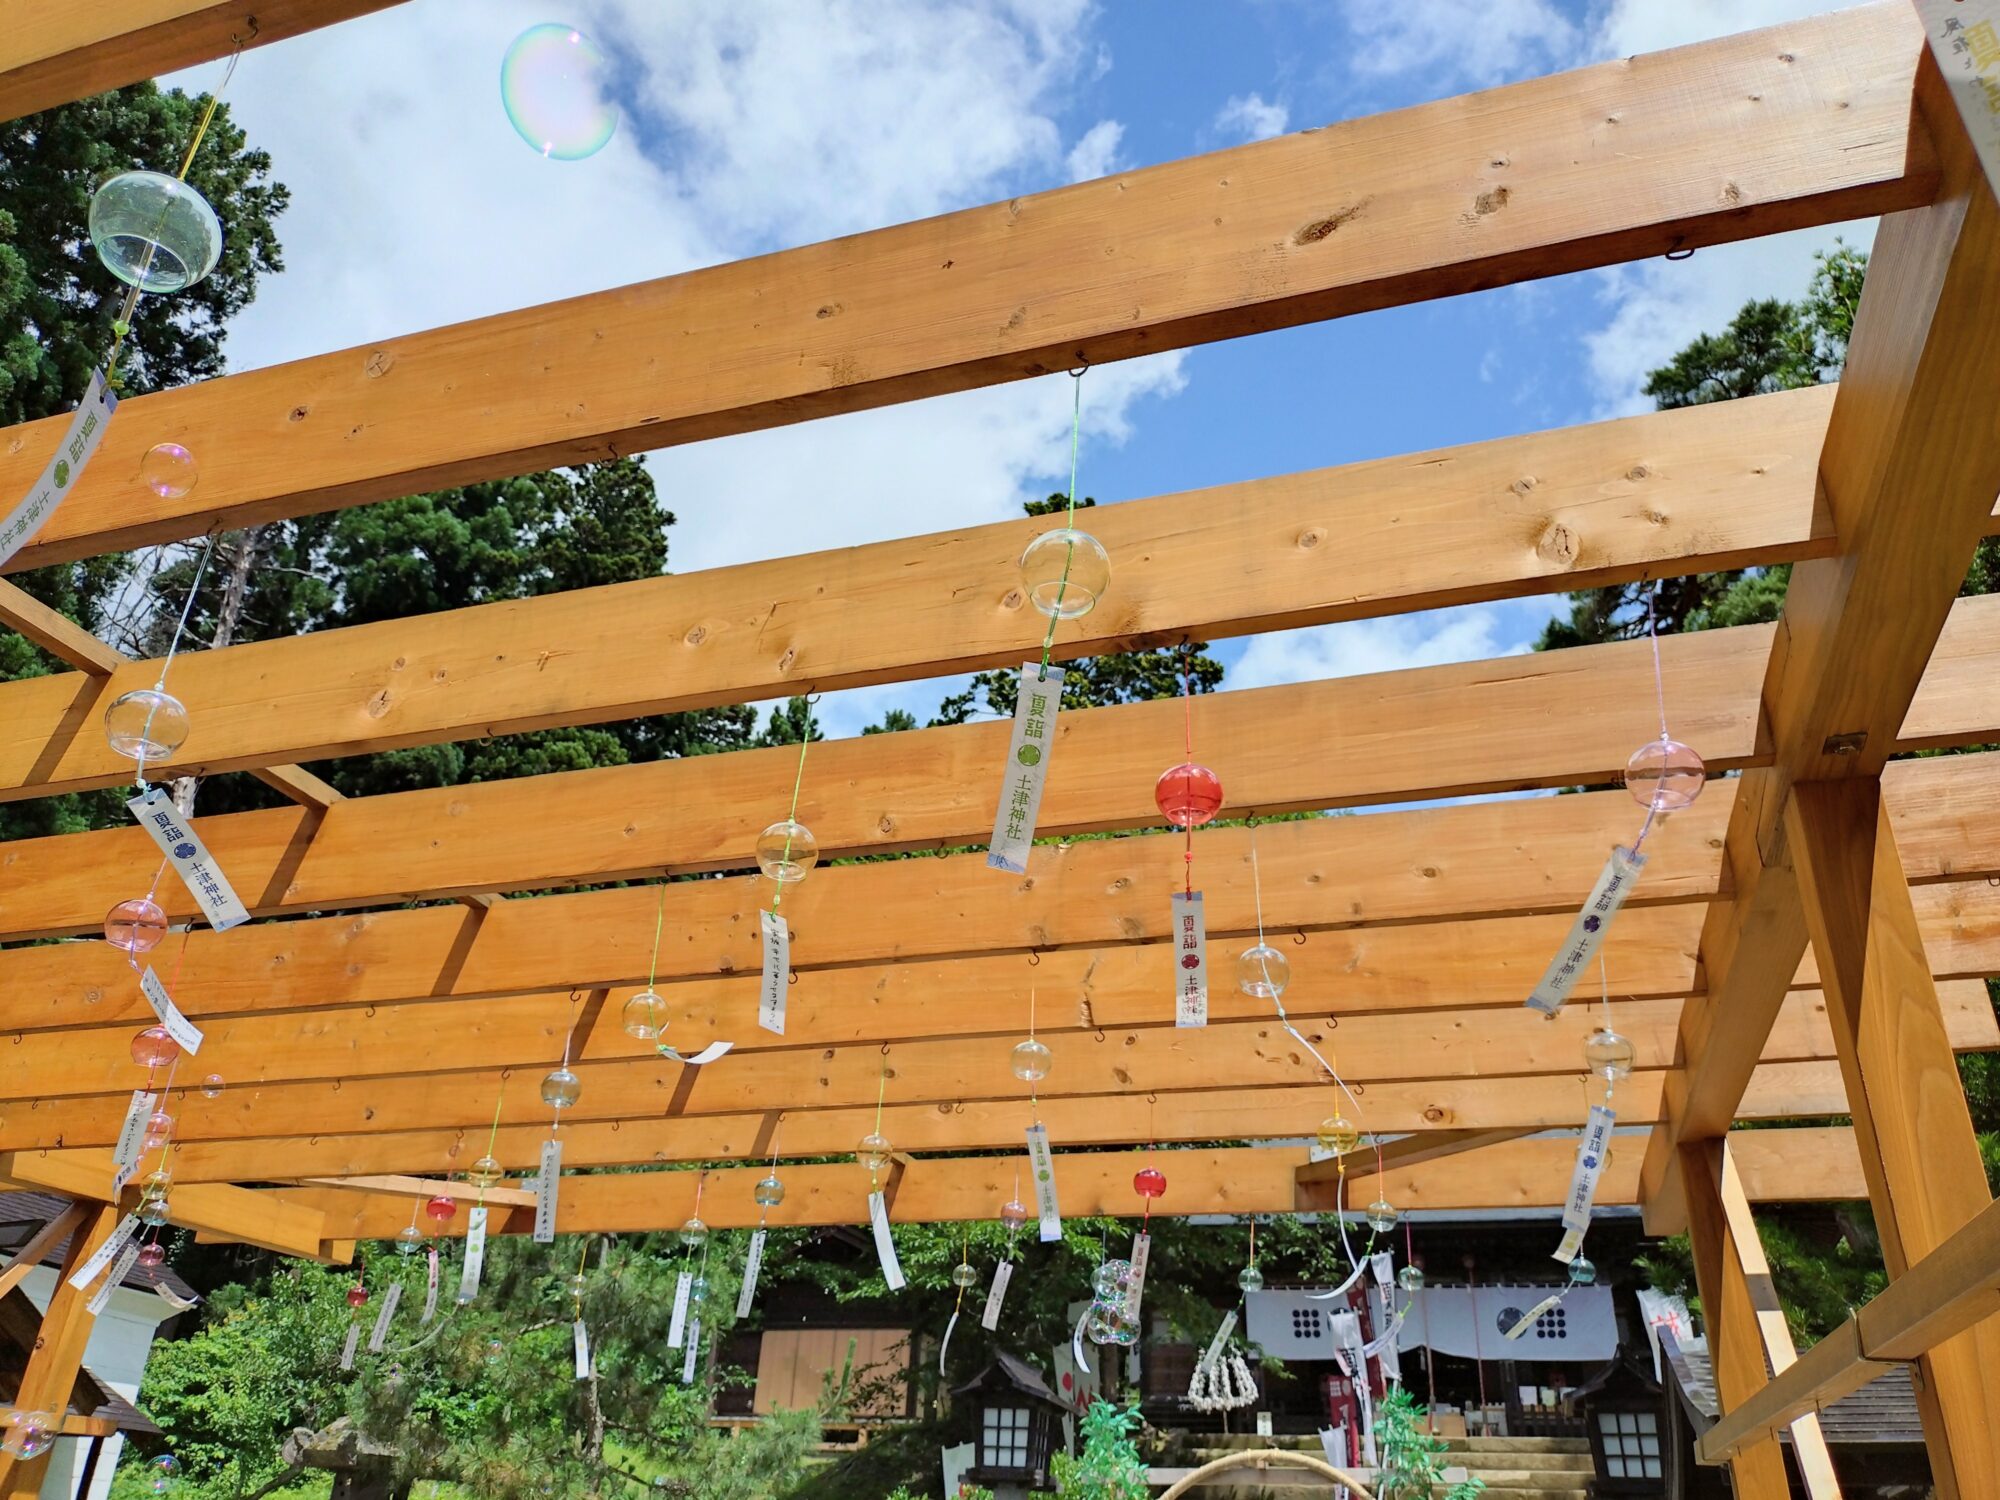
1277	1001
659	926
173	649
493	1136
576	1291
1187	714
881	1093
792	818
764	1209
122	324
1069	515
1660	696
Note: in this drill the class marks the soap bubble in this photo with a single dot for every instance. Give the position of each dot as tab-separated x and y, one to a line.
554	85
212	1086
154	232
168	470
27	1434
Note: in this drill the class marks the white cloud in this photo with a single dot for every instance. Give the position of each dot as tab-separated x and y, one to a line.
1657	306
1096	154
1631	26
1469	633
927	466
750	128
1250	117
1458	44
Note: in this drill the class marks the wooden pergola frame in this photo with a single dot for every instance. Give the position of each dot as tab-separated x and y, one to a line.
1808	940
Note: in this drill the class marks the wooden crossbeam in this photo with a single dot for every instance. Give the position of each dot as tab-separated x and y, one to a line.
1954	1287
39	1244
1778	1091
947	1072
1428	732
54	51
1453	969
1621	161
1795	1166
1694	490
1910	471
401	1186
227	1212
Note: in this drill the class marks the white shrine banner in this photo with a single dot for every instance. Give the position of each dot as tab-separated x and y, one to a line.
1469	1323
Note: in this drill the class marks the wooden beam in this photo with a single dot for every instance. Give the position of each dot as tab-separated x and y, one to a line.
1454	967
1694	490
227	1212
55	51
1320	877
1089	1062
1322	1184
1811	1165
53	1363
1910	471
1778	1091
1505	857
957	1073
1807	123
421	1187
1730	1308
1430	732
1954	1287
1926	1179
39	1244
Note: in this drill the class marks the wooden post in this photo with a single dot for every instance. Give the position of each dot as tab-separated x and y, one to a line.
1729	1309
1809	1450
1911	1122
58	1353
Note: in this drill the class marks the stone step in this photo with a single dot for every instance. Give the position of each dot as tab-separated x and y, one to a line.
1557	1463
1529	1479
1517	1444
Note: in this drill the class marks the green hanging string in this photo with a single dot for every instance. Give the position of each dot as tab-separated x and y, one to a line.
792	818
1069	518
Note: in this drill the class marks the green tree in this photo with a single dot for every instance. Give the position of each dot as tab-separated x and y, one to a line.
1109	1468
1769	346
1412	1460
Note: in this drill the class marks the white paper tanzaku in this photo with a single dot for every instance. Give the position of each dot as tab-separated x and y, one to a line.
885	1243
546	1188
1190	960
1042	1166
79	442
190	858
1965	39
1027	768
1620	873
1590	1154
777	971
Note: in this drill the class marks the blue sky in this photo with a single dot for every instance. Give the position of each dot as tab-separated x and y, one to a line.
751	125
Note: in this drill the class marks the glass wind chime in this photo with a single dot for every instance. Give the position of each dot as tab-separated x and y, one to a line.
1262	972
876	1155
768	1193
691	1286
1188	796
1063	574
1663	776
